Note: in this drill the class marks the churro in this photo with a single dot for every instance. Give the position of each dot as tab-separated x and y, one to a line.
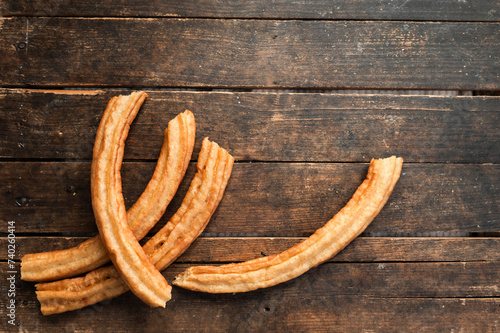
327	241
128	257
171	167
202	198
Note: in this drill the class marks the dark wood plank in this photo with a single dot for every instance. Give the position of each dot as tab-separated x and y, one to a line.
426	10
249	53
292	199
398	280
331	297
363	249
262	126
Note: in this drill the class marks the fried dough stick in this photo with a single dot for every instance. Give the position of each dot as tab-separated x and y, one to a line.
202	198
172	164
127	255
327	241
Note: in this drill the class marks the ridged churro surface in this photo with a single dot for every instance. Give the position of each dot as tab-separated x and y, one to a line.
171	167
202	198
344	227
124	250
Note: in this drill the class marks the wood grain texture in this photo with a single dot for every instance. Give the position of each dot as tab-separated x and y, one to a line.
262	126
204	53
417	296
300	156
293	199
426	10
219	250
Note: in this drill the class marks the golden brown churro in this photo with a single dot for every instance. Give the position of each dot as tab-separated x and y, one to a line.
145	281
202	198
327	241
172	164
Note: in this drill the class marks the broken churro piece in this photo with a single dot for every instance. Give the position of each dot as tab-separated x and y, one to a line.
199	204
172	164
124	250
202	198
327	241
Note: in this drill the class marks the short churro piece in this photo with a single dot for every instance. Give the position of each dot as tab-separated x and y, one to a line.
145	281
327	241
202	198
172	164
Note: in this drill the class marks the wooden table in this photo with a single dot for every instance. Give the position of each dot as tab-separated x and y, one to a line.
303	94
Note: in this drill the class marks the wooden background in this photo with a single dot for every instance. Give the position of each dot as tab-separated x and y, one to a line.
303	94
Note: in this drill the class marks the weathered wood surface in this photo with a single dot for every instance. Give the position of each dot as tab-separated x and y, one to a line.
299	156
293	199
426	10
220	250
203	53
262	126
276	312
331	297
398	280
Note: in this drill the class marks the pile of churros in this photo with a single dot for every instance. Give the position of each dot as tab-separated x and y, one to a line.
138	268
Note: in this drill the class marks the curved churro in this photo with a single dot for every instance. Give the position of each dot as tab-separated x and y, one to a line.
145	281
345	226
189	221
202	198
172	164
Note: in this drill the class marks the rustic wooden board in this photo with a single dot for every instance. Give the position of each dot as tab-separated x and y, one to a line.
331	296
262	126
469	279
293	199
123	52
299	156
362	249
298	313
425	10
